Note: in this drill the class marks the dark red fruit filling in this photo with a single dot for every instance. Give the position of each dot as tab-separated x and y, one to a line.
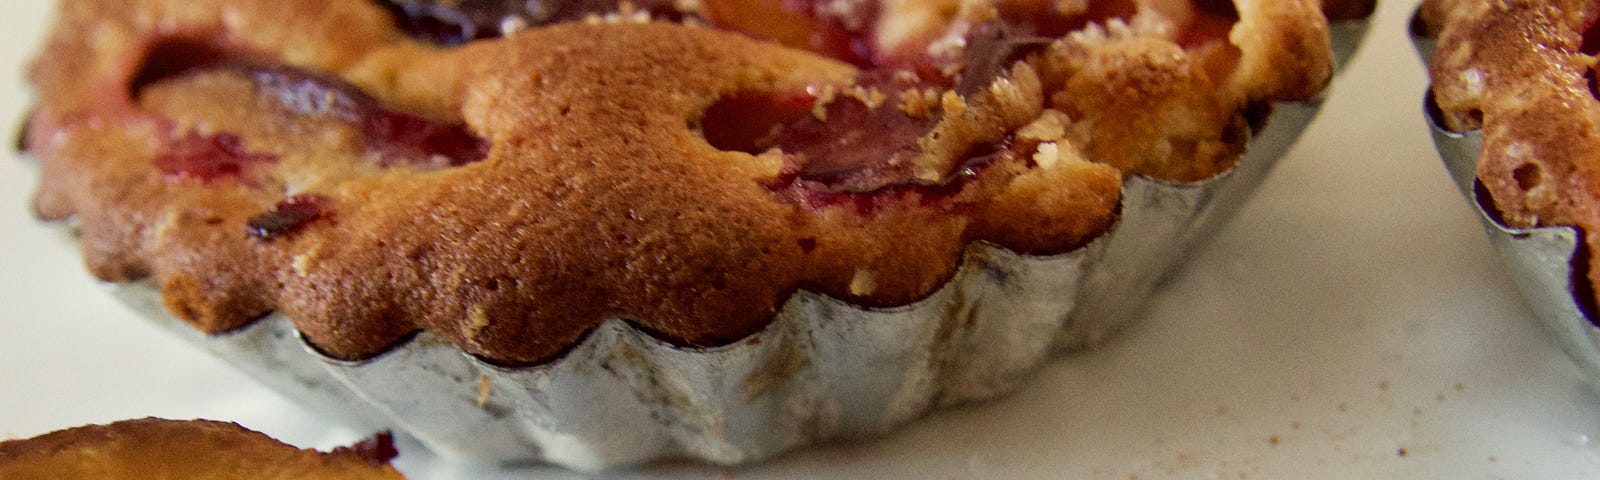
458	22
842	35
802	190
1590	45
839	29
748	122
1044	18
176	56
398	138
855	146
379	449
859	148
1212	21
1349	10
1591	36
289	216
207	158
860	143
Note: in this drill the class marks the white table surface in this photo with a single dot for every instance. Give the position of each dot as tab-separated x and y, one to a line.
1352	312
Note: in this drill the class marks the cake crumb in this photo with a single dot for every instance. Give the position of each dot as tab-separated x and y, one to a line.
952	103
167	223
1473	78
1383	385
1006	91
1048	156
863	284
483	389
824	95
477	319
302	264
872	98
769	164
512	24
1274	440
951	45
1049	127
688	6
917	103
1402	452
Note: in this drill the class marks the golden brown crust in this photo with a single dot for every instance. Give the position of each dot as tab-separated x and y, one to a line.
1514	69
598	198
178	450
1287	54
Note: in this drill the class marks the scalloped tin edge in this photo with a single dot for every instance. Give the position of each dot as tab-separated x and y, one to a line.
822	370
1540	260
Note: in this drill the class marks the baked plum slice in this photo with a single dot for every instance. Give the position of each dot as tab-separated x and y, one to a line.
398	138
289	216
208	157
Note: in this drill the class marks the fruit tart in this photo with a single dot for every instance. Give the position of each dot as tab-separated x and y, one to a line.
1513	106
729	226
185	450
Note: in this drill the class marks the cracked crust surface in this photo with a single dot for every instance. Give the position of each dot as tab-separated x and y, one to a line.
598	197
1517	70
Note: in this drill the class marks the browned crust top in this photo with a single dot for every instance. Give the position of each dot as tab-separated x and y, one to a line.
172	449
598	199
1515	70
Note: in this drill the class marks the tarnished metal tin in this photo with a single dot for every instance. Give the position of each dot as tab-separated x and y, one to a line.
1541	260
823	369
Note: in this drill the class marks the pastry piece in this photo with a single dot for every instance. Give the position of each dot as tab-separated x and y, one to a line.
1523	73
185	450
715	230
508	178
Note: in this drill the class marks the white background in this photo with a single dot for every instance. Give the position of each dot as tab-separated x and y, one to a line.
1353	310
